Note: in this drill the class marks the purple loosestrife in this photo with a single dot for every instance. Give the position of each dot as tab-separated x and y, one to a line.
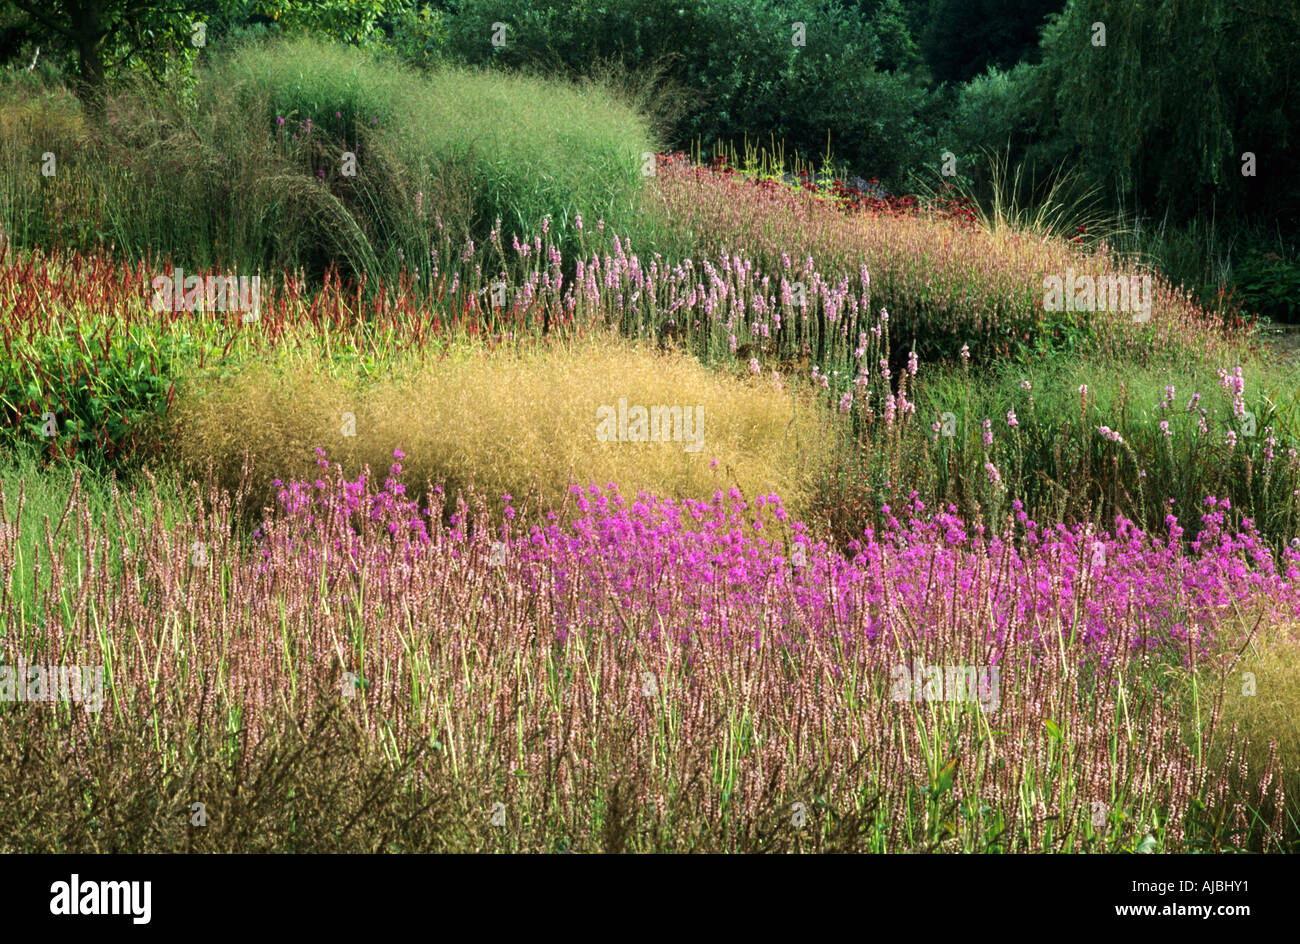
715	567
737	612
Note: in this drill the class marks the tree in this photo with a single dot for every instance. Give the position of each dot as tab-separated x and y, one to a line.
1182	89
98	36
898	51
962	38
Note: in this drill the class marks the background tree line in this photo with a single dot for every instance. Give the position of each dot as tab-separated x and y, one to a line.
1159	121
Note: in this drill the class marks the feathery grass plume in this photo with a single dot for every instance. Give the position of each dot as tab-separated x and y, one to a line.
512	421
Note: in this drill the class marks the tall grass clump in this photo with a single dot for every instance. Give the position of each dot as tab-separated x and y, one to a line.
517	420
944	280
477	145
255	174
1256	695
39	208
1084	440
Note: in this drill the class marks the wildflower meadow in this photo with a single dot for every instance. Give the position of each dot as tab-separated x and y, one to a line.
400	453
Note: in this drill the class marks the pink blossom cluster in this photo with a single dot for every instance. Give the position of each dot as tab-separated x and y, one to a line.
742	573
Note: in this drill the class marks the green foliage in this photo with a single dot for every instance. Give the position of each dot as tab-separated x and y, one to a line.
253	175
97	43
739	60
963	38
898	49
105	392
1000	111
348	21
1181	90
419	37
478	146
1269	285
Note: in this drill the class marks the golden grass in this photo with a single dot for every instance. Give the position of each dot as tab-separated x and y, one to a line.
1262	698
1258	705
512	422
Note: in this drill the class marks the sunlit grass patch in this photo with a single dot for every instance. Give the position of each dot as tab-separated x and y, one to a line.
521	422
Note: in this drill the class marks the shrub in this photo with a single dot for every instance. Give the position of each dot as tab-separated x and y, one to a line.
999	111
1269	285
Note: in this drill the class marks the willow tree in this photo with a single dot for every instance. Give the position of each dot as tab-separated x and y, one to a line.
1184	105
